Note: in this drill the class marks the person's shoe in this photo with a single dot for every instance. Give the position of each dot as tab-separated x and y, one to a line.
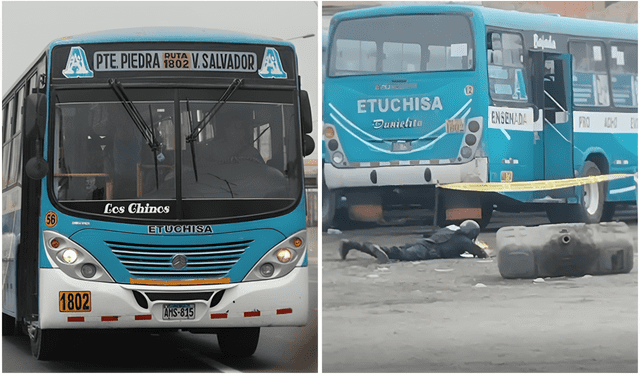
344	248
380	254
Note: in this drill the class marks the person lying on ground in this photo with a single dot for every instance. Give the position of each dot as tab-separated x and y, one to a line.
449	242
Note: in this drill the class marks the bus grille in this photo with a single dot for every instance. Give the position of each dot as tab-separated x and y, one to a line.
202	261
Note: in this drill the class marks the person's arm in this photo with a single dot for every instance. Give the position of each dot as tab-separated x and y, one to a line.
474	249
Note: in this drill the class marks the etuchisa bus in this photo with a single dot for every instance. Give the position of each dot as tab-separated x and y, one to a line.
153	179
426	95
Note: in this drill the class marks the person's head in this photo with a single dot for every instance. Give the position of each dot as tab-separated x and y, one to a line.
470	229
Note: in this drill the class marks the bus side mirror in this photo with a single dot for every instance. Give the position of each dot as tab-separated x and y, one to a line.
308	144
305	112
34	127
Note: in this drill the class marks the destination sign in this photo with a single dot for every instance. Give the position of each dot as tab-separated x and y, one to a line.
213	61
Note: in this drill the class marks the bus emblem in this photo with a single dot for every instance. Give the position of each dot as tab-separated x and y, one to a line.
271	65
179	261
77	66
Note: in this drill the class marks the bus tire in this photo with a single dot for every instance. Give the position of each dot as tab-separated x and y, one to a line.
608	211
328	206
239	342
591	203
8	325
44	343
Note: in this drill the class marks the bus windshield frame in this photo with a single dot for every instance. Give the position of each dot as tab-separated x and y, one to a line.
210	179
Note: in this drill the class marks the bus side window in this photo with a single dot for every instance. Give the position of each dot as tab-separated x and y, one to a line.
590	75
10	118
623	63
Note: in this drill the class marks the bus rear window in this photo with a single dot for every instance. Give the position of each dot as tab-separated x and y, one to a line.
401	44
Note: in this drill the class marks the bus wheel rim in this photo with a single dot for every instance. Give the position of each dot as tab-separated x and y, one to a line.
591	198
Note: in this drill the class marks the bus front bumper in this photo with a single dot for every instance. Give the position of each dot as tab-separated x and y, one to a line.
397	175
279	302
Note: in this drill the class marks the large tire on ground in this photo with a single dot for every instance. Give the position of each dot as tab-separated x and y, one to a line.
239	342
328	206
45	343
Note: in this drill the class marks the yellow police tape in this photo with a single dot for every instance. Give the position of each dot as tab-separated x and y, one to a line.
533	185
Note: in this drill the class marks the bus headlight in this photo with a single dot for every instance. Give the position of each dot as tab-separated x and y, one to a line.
337	157
267	270
72	259
284	255
69	256
88	270
281	259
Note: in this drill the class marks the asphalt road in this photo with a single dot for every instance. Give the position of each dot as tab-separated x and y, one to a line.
280	349
460	315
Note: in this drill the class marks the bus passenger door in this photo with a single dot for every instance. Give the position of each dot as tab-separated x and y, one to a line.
558	120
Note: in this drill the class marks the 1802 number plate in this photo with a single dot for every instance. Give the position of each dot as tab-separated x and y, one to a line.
179	311
74	301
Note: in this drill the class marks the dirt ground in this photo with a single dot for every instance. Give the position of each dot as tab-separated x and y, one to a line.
460	315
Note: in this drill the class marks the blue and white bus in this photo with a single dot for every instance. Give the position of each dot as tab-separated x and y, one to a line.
153	179
426	95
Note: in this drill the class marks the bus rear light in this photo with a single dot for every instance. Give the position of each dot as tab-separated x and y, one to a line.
465	152
284	311
333	145
251	314
329	132
337	157
219	316
75	319
142	317
470	139
109	318
474	126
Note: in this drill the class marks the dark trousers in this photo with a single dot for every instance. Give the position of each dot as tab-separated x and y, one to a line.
418	250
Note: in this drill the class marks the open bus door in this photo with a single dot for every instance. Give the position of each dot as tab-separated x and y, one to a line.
553	94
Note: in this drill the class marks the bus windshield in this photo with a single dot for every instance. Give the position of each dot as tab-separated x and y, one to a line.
382	45
244	153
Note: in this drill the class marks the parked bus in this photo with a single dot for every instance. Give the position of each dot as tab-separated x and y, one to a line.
427	95
153	179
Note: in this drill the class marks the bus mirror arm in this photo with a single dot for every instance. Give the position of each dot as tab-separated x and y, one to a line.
34	124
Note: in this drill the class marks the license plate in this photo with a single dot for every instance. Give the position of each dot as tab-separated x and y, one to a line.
455	125
401	146
183	311
74	301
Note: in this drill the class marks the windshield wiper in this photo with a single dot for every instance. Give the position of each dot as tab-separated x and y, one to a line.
146	131
192	144
237	82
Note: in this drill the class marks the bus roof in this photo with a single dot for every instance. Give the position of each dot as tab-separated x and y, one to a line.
509	19
168	34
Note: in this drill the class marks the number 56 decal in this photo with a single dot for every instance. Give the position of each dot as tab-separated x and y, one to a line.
51	219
